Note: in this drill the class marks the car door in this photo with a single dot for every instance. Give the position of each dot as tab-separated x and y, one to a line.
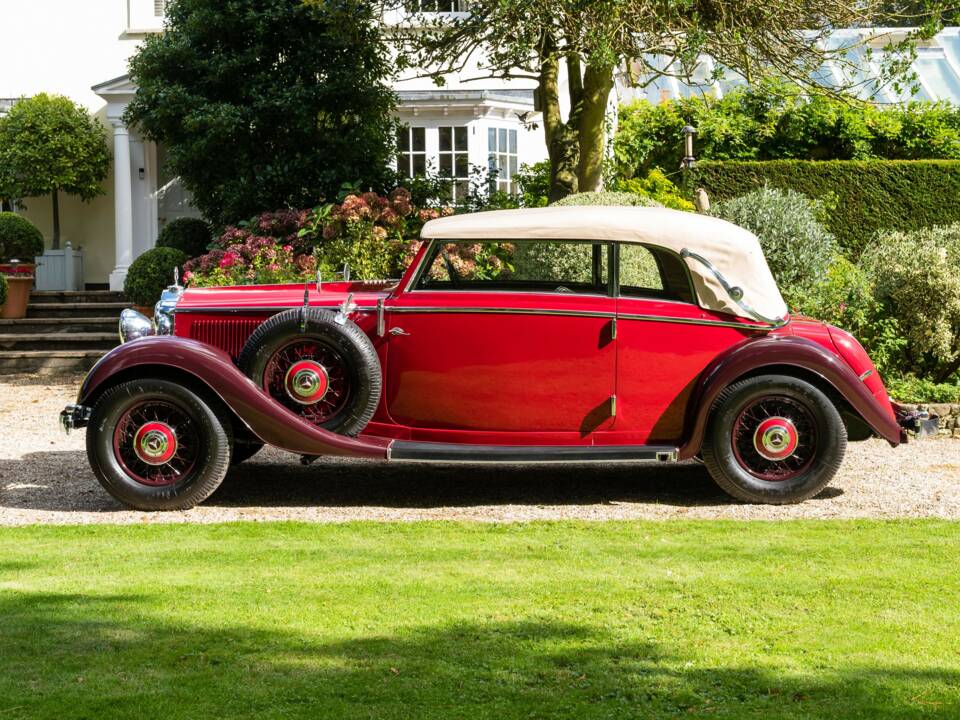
665	341
488	339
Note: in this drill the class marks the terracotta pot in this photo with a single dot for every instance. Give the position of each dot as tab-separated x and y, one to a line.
18	297
19	268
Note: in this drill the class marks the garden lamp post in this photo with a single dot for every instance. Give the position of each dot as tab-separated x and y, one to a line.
688	160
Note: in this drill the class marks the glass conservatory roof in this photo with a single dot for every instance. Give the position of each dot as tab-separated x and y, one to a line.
937	68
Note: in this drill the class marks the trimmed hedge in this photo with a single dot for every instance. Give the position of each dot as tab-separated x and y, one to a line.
862	196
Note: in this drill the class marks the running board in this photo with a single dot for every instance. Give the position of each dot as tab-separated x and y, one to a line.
409	451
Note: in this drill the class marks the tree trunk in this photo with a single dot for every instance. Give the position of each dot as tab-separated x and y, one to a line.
56	219
591	125
561	143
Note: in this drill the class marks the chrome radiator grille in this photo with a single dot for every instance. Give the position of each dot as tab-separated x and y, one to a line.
228	334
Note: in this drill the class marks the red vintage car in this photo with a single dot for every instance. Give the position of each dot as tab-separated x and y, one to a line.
548	335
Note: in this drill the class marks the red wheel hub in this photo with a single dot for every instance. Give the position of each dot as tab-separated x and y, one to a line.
306	382
155	443
776	438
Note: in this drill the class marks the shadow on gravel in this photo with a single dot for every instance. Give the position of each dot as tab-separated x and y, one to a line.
62	481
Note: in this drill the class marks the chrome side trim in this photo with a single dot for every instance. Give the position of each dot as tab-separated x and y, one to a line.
579	313
270	309
866	374
735	293
695	321
501	311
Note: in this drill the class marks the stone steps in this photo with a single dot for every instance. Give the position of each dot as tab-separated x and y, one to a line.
106	324
63	333
75	310
47	362
58	341
72	297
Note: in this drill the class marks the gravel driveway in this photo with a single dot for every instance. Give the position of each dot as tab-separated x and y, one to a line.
44	478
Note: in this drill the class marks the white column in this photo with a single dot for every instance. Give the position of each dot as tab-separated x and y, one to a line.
123	204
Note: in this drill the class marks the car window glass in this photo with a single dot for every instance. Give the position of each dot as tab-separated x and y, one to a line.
532	266
639	271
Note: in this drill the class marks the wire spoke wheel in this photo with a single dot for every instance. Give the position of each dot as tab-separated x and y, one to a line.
156	443
309	378
775	438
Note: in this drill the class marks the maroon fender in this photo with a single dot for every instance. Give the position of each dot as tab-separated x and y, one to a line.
267	419
798	352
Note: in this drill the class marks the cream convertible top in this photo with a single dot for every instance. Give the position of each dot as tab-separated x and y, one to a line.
733	251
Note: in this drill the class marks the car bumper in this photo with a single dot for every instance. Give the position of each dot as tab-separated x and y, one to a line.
919	422
74	417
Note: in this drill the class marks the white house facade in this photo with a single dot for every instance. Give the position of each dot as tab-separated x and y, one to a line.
81	50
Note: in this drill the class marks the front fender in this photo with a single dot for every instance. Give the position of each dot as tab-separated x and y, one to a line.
783	351
266	418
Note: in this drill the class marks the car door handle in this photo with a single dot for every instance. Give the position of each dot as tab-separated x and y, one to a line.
398	331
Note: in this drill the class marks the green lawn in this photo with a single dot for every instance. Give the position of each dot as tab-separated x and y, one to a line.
720	619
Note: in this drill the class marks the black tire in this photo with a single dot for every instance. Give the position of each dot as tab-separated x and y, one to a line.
243	451
204	436
345	347
733	457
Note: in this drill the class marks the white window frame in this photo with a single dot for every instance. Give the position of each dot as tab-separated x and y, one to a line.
506	176
406	157
459	182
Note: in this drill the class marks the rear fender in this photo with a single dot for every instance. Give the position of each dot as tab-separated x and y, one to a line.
267	419
753	355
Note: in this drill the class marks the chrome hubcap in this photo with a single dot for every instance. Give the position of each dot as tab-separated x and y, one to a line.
155	443
775	438
306	382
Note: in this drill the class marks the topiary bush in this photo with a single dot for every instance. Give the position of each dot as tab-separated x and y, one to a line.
799	249
189	235
3	290
916	277
864	197
19	238
151	273
606	198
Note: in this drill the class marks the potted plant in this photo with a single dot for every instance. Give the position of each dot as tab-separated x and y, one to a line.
150	274
20	243
50	145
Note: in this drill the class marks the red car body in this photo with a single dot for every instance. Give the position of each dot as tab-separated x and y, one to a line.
470	375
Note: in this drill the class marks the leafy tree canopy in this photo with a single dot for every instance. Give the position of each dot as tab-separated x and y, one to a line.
266	103
591	40
49	144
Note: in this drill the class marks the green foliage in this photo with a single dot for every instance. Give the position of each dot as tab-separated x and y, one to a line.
151	273
189	235
656	186
797	246
50	143
267	103
606	198
779	123
911	389
863	197
916	277
845	298
19	238
3	289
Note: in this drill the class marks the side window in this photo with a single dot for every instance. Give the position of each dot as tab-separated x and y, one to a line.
653	274
521	266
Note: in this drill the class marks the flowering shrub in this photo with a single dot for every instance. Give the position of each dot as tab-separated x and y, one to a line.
375	234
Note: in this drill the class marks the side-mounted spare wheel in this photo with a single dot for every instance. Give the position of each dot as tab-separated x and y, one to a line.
323	370
774	439
156	445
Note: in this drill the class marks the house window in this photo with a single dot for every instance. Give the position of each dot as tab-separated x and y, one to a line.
159	7
502	158
412	158
454	161
436	6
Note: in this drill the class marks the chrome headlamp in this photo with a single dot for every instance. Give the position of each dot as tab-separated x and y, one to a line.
133	326
163	310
